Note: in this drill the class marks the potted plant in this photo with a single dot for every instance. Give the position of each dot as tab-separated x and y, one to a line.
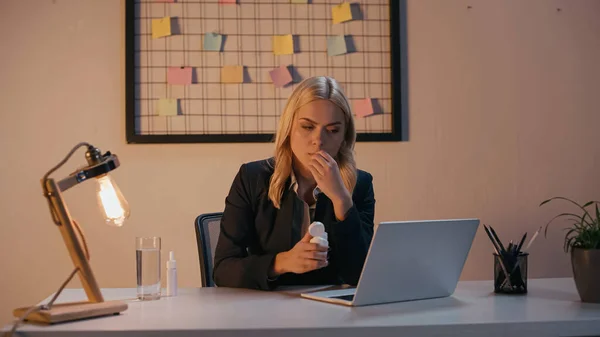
582	240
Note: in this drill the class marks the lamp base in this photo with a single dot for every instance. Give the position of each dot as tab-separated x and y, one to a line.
72	311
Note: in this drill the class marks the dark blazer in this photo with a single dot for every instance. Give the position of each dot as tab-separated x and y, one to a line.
253	231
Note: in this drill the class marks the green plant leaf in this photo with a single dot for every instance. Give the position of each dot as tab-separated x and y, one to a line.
577	225
591	202
575	220
558	216
546	201
582	233
571	231
597	220
585	212
570	243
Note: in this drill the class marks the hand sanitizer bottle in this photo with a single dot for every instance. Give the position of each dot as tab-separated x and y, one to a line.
317	230
171	275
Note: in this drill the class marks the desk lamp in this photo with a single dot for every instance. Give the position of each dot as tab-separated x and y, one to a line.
115	210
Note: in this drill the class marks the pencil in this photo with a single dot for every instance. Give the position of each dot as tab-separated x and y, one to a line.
533	238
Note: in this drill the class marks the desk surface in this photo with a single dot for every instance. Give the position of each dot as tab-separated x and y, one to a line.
551	308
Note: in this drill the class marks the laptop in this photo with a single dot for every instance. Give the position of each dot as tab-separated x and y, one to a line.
408	260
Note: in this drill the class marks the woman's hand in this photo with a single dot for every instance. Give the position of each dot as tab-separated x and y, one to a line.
327	175
304	257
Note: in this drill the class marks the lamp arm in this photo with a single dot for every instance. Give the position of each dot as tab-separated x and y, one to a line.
47	193
62	162
70	230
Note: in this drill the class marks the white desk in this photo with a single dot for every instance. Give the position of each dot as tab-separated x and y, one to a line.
551	308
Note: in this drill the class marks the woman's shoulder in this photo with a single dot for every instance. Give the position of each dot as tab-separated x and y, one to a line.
257	173
364	183
363	177
362	174
259	168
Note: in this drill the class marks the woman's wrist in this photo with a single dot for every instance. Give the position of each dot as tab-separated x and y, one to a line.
278	266
341	205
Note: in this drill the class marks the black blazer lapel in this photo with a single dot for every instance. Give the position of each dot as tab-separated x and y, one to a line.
283	233
324	210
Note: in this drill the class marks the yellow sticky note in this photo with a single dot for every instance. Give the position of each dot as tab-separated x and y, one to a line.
336	45
283	44
232	74
161	27
167	107
341	12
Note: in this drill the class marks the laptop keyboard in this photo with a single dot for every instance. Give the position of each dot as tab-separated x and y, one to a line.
345	297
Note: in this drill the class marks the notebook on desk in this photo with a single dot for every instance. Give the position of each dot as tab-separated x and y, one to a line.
409	260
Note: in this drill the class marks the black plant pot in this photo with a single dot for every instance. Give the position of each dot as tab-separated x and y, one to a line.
586	272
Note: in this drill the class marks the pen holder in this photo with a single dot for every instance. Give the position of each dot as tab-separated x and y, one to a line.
510	273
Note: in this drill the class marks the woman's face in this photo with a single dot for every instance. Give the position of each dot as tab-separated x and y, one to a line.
318	125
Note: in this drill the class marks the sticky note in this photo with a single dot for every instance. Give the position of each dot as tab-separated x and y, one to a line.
363	107
179	75
232	74
167	107
227	1
336	45
161	27
213	41
341	12
280	76
299	1
283	44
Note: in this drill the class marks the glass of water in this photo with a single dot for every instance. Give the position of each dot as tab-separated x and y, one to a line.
147	258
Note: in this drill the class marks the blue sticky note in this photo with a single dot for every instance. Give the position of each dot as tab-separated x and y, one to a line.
336	45
213	41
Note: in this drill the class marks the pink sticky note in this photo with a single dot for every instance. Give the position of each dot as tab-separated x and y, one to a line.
228	2
363	107
280	76
179	75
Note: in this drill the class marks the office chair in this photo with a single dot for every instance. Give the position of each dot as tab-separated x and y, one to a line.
207	228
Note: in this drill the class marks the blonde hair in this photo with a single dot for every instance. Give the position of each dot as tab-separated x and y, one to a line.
307	91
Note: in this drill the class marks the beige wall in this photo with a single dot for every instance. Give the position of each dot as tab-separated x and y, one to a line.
503	113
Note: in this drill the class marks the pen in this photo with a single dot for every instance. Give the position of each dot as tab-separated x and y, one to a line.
519	249
506	279
516	254
497	239
506	274
521	243
496	248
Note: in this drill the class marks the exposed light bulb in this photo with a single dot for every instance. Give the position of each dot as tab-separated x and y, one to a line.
110	200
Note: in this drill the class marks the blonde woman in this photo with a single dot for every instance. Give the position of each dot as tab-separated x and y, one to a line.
264	242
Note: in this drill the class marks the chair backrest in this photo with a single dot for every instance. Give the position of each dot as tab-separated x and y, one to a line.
207	228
